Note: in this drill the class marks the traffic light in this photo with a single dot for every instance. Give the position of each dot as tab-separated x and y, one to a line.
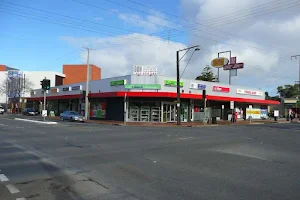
203	94
45	83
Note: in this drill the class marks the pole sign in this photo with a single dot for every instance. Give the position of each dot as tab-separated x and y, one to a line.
231	104
233	60
219	62
234	66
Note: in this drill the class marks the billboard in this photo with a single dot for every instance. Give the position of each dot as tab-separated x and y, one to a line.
219	62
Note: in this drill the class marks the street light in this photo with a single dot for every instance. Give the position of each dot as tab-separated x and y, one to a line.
196	48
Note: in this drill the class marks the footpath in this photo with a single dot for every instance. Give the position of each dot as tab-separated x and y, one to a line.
170	124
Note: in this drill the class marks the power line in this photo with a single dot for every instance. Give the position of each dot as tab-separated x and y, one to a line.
241	11
177	29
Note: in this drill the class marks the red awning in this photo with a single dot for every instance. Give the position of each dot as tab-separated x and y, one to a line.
161	95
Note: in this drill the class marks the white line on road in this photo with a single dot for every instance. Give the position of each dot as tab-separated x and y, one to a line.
39	122
12	189
3	178
22	198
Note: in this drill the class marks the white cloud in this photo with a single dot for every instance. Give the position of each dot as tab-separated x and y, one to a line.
151	23
127	51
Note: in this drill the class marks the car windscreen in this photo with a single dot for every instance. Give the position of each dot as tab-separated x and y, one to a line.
30	109
73	113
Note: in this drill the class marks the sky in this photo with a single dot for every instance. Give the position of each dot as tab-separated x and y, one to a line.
42	35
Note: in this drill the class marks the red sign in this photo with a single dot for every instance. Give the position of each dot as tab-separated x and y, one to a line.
221	89
234	66
233	60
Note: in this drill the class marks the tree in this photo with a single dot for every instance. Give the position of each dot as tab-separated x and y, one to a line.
288	91
15	88
207	75
267	95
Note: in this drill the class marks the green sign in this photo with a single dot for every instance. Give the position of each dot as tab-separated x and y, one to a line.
143	86
117	82
173	83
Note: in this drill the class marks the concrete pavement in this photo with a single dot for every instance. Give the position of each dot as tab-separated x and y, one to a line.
79	161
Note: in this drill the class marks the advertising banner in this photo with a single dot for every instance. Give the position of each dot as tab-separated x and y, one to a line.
249	92
173	83
221	89
197	86
143	86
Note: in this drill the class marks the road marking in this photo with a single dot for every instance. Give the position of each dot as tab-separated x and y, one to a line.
22	198
12	189
3	178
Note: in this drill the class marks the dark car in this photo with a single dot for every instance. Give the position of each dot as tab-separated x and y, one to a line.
72	116
30	111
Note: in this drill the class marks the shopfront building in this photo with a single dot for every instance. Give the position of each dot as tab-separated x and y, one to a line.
135	98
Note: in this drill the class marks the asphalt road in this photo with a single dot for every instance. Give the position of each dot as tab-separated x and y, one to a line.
91	162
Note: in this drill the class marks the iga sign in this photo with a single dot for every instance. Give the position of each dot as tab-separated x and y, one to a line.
197	86
249	92
219	62
221	89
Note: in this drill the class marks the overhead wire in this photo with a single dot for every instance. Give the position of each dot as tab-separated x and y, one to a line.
47	21
195	34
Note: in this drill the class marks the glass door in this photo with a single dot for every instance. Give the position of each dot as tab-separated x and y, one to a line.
169	112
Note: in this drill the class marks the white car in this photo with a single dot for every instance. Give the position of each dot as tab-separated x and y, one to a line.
1	110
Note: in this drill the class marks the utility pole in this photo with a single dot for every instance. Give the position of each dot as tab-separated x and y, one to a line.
196	48
87	84
297	57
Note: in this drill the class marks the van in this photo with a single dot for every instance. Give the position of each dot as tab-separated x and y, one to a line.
1	110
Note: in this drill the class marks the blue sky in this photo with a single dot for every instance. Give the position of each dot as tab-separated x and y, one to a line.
263	40
30	44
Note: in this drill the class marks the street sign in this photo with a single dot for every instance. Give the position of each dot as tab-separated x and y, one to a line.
44	113
219	62
234	66
231	104
233	72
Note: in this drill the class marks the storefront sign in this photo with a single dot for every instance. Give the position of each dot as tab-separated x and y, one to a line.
197	86
234	66
117	82
65	89
219	62
249	92
144	70
54	90
173	83
78	87
221	89
143	86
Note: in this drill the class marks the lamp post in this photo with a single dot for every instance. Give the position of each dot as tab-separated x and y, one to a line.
196	48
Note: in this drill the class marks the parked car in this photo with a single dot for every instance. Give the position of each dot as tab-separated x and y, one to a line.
30	111
1	110
72	116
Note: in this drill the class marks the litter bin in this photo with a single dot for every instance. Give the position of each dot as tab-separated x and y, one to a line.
214	120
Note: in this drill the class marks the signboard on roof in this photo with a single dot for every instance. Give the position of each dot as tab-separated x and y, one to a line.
249	92
144	70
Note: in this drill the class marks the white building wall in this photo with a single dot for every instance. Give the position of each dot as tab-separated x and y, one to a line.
36	76
3	76
103	85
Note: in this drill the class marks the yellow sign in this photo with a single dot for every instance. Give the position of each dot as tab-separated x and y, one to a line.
253	112
219	62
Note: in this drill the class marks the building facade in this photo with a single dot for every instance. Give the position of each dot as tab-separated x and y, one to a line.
153	99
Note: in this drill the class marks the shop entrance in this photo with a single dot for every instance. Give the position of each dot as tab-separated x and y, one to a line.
169	112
